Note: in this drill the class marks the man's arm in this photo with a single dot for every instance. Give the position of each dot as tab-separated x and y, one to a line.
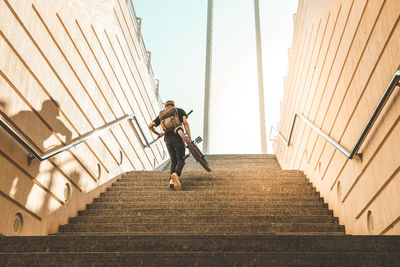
186	125
151	128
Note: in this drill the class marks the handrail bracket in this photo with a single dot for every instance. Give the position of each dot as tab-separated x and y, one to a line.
30	158
360	156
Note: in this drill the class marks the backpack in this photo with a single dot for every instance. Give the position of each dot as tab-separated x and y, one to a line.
169	119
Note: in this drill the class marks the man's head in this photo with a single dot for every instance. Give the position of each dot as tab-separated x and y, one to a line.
51	108
169	104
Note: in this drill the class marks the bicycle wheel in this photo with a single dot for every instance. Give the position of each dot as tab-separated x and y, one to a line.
195	151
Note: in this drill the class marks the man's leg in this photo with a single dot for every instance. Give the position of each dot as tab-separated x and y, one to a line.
172	156
174	182
180	156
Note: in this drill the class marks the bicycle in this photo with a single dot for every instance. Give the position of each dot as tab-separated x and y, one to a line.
192	146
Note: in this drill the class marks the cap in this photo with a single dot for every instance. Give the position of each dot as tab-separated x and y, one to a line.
169	102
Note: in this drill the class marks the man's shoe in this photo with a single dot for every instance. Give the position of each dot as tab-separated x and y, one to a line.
175	180
171	184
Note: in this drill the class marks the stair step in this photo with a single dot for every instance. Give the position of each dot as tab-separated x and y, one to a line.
253	184
209	204
195	194
205	259
227	189
204	197
218	173
94	234
242	179
170	228
224	175
239	156
202	219
205	212
202	259
201	243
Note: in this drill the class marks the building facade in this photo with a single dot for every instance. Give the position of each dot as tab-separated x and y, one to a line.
67	68
344	55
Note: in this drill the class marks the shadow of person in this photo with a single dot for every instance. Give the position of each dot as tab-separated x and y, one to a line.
50	112
36	133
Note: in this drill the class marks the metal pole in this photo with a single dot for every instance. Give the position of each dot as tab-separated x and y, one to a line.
260	78
207	85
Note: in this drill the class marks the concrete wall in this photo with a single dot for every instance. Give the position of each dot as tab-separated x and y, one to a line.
66	68
342	60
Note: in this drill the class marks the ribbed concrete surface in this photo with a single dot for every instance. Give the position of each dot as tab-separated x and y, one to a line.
245	212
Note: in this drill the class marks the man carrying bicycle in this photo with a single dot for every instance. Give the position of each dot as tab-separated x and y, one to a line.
170	119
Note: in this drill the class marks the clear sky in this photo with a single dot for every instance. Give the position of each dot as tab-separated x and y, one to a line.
175	33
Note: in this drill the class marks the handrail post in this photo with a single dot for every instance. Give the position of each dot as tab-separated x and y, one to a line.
270	134
394	82
141	132
148	144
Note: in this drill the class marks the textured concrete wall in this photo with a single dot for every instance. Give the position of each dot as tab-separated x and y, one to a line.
66	68
342	60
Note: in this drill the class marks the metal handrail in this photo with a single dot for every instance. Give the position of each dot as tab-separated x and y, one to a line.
35	154
392	85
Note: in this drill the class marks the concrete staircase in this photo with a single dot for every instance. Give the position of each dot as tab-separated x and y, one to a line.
247	211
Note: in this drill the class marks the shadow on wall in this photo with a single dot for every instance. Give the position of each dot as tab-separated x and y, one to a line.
14	182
